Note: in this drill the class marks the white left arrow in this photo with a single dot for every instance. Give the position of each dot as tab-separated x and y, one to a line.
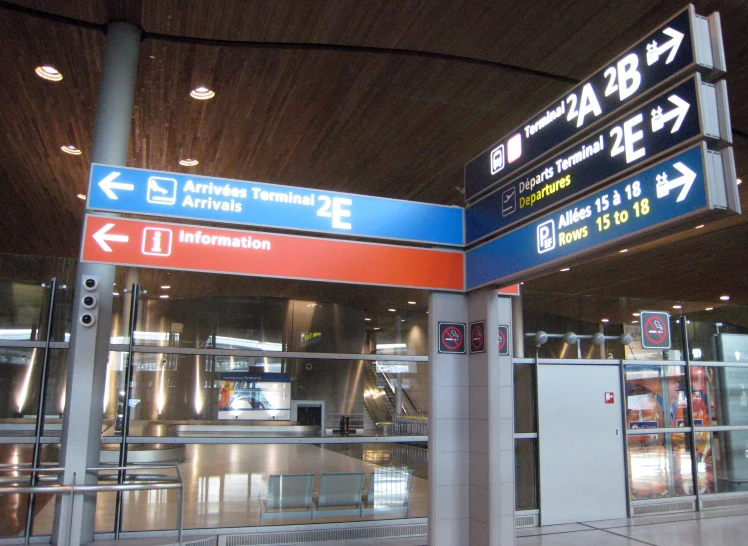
686	180
679	113
108	184
103	237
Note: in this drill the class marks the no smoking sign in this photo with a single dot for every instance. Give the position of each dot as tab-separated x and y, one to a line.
452	337
655	330
478	337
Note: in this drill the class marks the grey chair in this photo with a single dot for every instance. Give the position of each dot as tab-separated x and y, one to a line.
388	492
289	496
339	490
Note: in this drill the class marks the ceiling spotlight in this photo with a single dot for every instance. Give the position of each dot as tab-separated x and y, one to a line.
164	296
604	320
165	287
202	93
188	162
48	73
392	310
565	269
677	307
411	303
375	328
724	298
115	293
709	309
624	250
699	226
738	181
367	319
81	196
72	150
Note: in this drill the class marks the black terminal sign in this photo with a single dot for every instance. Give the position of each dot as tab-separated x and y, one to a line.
674	118
452	337
675	48
478	337
655	330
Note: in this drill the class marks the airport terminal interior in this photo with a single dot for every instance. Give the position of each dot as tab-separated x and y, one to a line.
262	409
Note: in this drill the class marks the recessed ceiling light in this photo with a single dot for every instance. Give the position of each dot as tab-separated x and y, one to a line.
81	196
565	269
738	181
636	314
188	162
634	322
376	328
677	307
48	73
202	93
412	302
164	296
624	250
367	319
392	310
72	150
402	320
165	287
115	293
699	226
724	298
709	309
604	320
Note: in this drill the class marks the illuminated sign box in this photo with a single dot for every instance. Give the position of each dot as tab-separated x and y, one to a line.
686	43
693	183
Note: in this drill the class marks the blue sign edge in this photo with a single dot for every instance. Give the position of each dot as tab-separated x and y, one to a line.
570	257
330	232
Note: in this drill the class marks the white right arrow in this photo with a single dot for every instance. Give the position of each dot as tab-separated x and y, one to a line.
686	180
654	51
102	237
108	184
679	113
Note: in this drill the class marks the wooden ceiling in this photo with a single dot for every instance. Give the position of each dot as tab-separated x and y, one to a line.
379	97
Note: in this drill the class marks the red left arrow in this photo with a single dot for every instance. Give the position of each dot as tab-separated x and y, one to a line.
103	237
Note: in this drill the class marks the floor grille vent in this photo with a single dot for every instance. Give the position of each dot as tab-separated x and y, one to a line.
713	504
292	537
664	508
526	521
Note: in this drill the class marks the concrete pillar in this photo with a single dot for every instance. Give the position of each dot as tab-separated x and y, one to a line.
448	429
89	345
491	462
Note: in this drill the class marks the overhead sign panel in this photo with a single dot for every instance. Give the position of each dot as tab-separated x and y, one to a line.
685	43
197	248
690	111
138	191
690	183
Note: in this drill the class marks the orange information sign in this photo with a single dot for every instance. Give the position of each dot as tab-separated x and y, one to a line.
198	248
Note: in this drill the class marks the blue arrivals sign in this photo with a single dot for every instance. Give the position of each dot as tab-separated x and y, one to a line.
163	194
653	198
685	43
678	116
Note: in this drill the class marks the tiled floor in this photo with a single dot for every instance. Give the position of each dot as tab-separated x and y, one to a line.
723	528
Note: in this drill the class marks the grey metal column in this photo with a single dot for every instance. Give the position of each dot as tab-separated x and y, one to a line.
449	411
491	426
89	346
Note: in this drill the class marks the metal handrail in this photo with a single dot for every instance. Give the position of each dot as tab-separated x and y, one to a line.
75	489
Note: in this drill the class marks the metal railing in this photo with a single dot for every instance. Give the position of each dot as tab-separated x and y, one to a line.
158	481
411	424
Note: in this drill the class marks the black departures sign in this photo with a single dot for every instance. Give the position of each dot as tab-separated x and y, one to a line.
670	51
655	330
478	337
452	337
